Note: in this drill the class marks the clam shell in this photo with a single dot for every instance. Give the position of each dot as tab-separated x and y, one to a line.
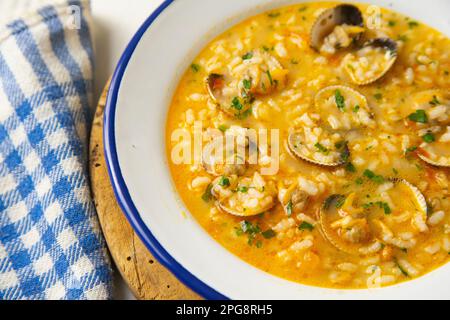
423	207
227	169
320	103
329	19
293	148
443	161
388	45
334	239
359	249
247	213
224	103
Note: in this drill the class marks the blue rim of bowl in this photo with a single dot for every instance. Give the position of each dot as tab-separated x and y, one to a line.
118	182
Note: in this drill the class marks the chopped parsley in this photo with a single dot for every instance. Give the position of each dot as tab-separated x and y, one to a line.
224	182
269	234
435	101
340	144
207	196
419	116
195	67
373	177
413	24
250	229
403	38
387	208
289	208
429	138
359	181
340	100
245	114
236	103
392	23
303	9
293	61
223	128
356	108
378	96
247	83
410	150
274	14
243	189
382	205
321	148
247	56
306	226
253	231
350	168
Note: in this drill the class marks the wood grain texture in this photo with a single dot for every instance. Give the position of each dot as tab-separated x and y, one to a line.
147	279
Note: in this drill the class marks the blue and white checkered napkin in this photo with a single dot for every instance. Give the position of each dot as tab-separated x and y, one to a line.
51	246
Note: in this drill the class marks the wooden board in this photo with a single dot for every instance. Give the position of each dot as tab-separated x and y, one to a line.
147	279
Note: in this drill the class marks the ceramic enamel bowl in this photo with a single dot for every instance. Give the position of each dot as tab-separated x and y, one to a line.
135	119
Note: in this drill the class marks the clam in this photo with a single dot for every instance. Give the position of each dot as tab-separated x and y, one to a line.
407	216
226	156
372	62
357	227
244	196
343	108
337	28
235	166
259	74
224	94
437	151
293	199
304	144
350	233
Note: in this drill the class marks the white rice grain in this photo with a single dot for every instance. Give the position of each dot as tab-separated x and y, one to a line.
436	218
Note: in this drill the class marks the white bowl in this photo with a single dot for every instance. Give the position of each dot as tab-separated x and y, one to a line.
135	119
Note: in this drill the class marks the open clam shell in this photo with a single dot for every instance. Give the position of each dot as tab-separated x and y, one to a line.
343	108
261	75
346	16
329	218
221	158
235	167
372	62
362	228
224	94
419	199
437	153
299	145
244	196
408	215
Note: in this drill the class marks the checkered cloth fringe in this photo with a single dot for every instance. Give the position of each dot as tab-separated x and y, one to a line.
51	246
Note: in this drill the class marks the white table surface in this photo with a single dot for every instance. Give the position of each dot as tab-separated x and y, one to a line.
115	22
